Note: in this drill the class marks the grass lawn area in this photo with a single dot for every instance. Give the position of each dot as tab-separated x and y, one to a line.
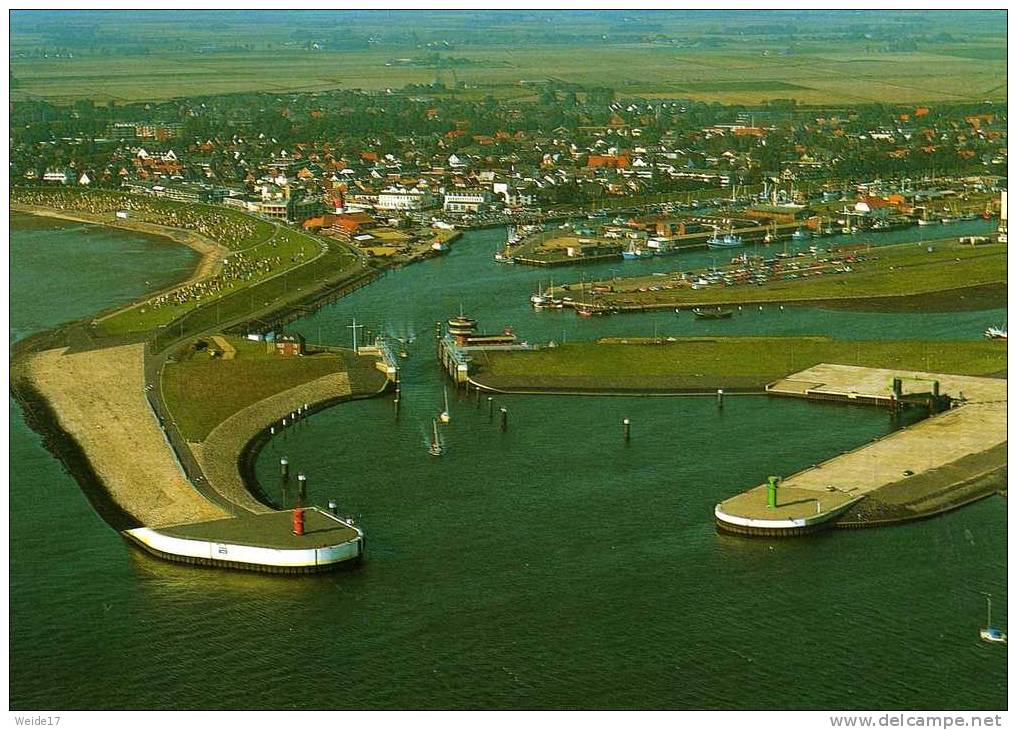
887	271
284	251
202	391
723	362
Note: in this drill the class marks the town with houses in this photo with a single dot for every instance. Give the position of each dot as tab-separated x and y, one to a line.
396	173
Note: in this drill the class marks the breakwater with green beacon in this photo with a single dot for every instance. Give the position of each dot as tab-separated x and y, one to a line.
571	568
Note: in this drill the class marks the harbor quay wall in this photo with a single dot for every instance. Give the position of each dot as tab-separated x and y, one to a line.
946	461
245	557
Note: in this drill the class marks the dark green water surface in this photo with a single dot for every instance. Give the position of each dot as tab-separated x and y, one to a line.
62	270
552	566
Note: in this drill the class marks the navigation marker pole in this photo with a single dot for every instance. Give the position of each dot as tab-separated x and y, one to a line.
354	327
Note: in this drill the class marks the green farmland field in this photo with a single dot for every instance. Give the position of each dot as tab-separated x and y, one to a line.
814	58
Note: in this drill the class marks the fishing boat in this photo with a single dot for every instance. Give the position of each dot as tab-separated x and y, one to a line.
717	313
437	446
990	633
632	252
996	333
729	240
445	416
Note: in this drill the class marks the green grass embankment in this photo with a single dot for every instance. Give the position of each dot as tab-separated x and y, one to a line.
202	391
269	266
886	272
728	362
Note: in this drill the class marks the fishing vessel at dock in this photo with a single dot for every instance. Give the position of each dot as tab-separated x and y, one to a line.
634	252
513	237
728	240
546	298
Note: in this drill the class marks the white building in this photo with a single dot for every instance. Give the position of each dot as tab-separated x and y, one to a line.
62	176
467	201
395	198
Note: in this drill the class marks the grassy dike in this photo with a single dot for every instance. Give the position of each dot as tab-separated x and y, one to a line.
203	390
299	266
881	275
735	363
128	363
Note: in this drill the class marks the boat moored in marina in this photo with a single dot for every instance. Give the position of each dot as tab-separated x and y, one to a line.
728	240
634	252
717	313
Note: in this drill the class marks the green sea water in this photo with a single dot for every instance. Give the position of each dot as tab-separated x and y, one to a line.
550	566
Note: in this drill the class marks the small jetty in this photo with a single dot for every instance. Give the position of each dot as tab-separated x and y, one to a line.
956	455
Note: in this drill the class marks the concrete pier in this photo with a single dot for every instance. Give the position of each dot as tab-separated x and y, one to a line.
966	442
257	542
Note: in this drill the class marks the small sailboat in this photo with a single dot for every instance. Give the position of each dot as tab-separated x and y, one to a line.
437	446
538	299
990	633
445	416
